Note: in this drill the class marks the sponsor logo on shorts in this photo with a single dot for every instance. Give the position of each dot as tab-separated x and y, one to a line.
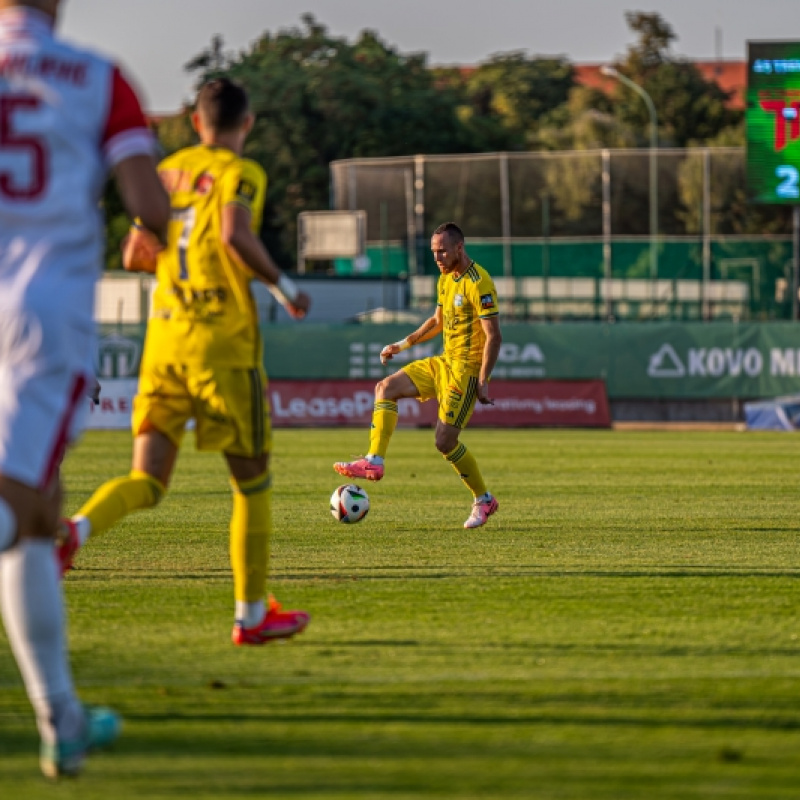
454	396
487	301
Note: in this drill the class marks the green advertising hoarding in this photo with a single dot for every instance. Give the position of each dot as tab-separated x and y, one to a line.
644	360
773	122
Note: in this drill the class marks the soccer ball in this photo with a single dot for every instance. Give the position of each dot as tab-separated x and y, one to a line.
349	503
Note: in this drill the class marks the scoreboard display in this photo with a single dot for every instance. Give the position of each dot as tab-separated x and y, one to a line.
773	122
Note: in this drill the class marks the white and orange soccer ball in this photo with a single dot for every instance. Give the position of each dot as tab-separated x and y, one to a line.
349	503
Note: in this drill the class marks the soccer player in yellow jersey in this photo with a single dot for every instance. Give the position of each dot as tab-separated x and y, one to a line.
202	357
467	316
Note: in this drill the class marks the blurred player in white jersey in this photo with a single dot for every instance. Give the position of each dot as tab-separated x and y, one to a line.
67	116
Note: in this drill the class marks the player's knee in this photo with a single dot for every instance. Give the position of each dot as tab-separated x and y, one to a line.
393	387
243	469
445	442
250	487
383	390
27	513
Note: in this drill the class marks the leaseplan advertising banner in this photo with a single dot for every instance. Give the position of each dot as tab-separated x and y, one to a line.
344	403
516	404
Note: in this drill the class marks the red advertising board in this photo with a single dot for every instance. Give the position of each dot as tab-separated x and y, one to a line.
535	403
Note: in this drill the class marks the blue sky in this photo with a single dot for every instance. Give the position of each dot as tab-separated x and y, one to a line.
153	39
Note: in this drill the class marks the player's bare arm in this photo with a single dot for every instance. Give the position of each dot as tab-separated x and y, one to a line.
248	250
491	350
430	328
143	195
145	199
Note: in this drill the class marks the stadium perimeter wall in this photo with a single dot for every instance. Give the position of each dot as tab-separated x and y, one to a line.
666	371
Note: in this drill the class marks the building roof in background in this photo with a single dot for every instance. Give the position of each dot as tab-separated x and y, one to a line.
731	76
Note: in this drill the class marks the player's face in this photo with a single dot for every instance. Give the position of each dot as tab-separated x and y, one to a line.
446	252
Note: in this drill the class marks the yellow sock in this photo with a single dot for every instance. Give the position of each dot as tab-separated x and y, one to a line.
251	524
466	466
116	499
384	421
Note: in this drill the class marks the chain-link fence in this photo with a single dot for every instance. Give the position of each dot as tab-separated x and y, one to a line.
584	234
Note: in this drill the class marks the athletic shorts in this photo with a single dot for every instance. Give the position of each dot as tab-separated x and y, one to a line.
229	407
454	387
44	376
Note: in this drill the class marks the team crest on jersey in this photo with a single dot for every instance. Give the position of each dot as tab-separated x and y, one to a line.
458	300
204	183
487	301
246	191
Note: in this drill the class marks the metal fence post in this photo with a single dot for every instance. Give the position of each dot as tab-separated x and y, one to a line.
606	173
505	211
419	209
706	234
411	227
546	250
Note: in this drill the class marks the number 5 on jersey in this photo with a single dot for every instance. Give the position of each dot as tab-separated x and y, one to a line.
27	148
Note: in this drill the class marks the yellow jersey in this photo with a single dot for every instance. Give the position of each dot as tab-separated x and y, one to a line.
203	311
465	300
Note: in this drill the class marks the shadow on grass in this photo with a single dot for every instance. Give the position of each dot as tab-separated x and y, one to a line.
377	735
445	572
545	650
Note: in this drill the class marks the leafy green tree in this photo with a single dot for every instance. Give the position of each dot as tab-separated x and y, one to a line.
689	108
505	98
175	132
731	213
318	98
117	225
585	122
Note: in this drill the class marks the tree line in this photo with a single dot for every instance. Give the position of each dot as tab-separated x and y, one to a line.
320	98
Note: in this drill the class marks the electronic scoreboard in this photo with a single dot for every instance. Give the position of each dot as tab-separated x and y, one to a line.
773	122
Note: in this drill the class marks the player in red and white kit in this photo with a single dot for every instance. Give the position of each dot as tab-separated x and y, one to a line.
67	117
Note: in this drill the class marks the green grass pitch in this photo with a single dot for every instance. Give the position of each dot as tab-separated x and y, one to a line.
626	627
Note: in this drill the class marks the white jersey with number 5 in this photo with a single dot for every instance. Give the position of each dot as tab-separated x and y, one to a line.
66	117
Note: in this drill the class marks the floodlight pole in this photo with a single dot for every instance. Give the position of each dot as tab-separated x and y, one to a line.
612	72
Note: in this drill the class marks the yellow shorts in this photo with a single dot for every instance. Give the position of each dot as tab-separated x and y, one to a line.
229	406
453	386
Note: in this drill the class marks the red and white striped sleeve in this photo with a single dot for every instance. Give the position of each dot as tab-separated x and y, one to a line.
126	133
